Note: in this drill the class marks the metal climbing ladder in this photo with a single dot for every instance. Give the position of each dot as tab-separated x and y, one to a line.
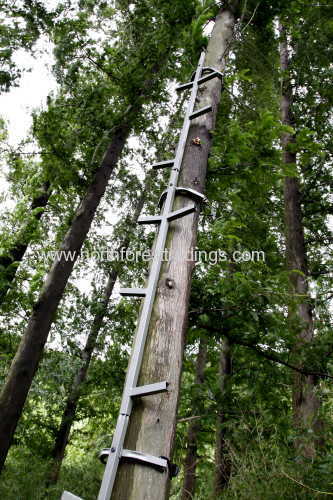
131	391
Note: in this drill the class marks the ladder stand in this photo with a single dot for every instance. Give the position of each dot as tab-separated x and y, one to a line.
112	456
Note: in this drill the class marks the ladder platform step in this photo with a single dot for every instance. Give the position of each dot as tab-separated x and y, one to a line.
184	86
200	112
163	164
132	292
154	219
181	213
191	193
69	496
147	390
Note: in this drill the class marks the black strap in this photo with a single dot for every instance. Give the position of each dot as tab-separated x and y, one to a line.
172	468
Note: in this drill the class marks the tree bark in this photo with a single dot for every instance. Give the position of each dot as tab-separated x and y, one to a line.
153	419
194	428
14	255
305	400
222	459
28	356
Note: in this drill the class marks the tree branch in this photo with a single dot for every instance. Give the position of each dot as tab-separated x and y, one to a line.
272	357
269	354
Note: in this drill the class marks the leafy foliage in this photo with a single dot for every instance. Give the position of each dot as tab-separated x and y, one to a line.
107	54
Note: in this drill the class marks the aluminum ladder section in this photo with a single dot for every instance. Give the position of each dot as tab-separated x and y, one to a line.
131	390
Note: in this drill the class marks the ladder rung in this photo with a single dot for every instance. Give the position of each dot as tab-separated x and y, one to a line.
157	463
155	219
146	390
210	76
69	496
181	212
200	112
163	164
132	292
191	193
185	86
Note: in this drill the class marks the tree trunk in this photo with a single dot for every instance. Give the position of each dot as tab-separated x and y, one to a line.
28	356
222	459
305	400
191	458
152	423
14	255
68	416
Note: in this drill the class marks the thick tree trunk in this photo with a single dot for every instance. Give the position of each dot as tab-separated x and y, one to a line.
191	458
152	423
30	350
14	255
68	416
305	400
222	459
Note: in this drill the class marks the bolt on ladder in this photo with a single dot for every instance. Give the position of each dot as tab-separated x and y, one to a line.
117	453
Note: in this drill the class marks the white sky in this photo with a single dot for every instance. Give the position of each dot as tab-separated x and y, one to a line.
34	86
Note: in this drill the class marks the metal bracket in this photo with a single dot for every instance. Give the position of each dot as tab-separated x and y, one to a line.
103	456
210	76
140	391
184	86
209	69
173	468
132	292
150	219
163	164
147	390
160	464
180	213
205	69
212	73
200	112
191	193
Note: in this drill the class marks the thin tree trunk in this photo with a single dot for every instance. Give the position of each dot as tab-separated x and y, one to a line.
14	255
28	356
305	400
222	459
68	416
194	428
152	424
